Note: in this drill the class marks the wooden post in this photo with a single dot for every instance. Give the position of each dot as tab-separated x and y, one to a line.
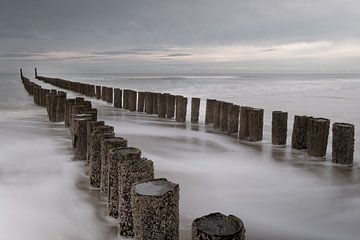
106	146
218	226
195	107
155	99
161	105
299	137
181	107
98	92
132	100
21	73
60	107
131	172
68	104
170	106
148	102
103	93
224	107
75	109
209	114
256	124
116	157
141	102
318	133
343	143
97	136
233	119
110	95
216	117
279	128
126	99
36	74
244	123
92	112
117	98
80	137
155	208
89	129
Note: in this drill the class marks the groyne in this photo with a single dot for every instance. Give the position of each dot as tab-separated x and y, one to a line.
146	207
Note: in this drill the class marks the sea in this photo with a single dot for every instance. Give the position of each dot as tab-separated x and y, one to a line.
279	193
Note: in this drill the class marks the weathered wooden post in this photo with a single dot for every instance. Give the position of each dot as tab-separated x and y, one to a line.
36	73
233	119
224	107
103	93
132	100
21	73
126	99
318	133
244	123
161	105
98	92
131	172
209	114
53	107
117	98
80	136
155	100
89	129
256	124
79	100
92	112
195	107
141	102
87	104
118	156
148	102
155	208
97	136
218	226
343	143
75	109
181	108
216	116
170	106
106	146
68	104
279	127
45	97
50	103
299	137
60	106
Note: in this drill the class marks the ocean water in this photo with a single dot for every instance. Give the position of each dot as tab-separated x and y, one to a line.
279	193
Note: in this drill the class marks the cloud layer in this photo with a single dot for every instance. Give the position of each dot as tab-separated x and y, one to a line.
175	31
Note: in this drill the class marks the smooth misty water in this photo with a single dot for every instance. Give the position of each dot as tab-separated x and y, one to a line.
279	193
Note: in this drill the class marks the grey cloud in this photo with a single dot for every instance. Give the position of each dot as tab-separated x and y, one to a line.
179	55
144	23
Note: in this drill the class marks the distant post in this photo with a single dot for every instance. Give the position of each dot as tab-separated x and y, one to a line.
279	127
195	107
343	143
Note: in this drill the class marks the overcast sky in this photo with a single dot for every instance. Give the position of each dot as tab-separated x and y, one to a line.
142	35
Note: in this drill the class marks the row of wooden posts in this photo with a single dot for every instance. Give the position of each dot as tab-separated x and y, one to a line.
246	123
145	207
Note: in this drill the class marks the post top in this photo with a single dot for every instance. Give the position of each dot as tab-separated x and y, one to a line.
115	139
218	224
154	187
345	125
126	151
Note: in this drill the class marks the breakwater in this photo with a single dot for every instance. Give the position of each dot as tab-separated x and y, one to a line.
146	208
